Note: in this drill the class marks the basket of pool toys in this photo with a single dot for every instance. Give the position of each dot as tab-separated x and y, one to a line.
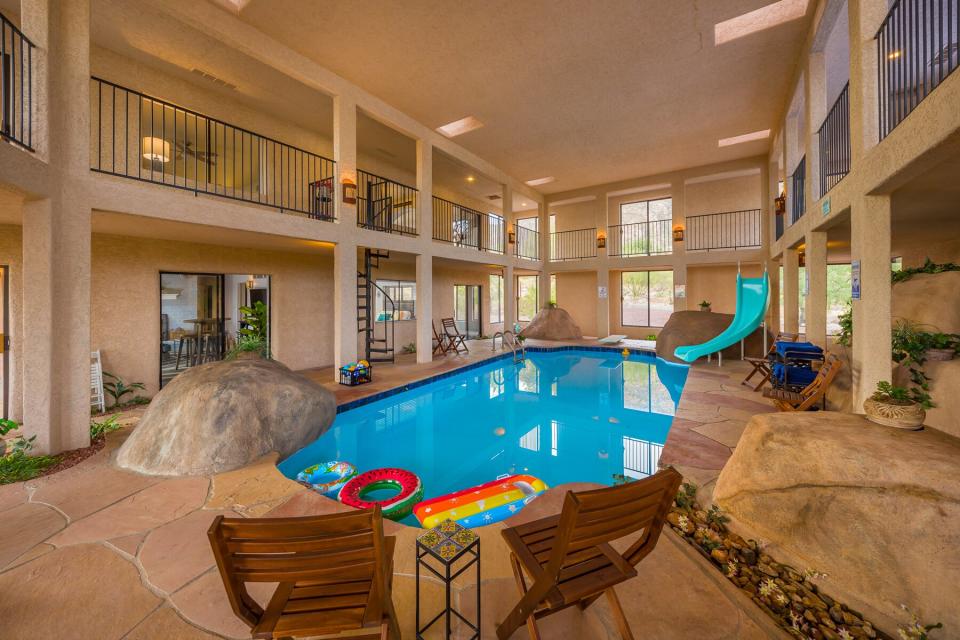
356	373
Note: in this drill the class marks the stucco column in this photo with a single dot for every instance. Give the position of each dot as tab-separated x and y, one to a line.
543	287
872	317
816	106
425	187
424	308
509	298
345	304
603	304
816	300
345	154
791	291
507	211
773	313
56	244
679	205
865	18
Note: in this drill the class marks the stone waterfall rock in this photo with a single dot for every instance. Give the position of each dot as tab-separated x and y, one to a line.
224	415
695	327
552	323
874	507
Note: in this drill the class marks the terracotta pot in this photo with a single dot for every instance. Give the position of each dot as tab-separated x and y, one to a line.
901	416
940	354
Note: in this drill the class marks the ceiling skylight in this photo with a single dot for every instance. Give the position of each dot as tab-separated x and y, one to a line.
759	20
539	181
460	127
746	137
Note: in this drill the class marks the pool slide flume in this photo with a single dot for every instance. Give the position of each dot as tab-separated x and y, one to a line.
753	298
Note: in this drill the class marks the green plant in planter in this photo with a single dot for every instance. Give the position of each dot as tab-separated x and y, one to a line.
117	389
892	394
845	320
909	348
915	629
705	304
410	348
18	465
6	426
929	266
103	427
687	496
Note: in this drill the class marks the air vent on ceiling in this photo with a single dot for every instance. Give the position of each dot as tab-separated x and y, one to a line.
214	79
494	197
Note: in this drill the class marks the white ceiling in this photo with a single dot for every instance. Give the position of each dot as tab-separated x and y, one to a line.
589	92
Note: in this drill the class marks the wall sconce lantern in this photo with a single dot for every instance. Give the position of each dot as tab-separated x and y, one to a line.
511	235
780	204
802	260
678	234
349	191
156	149
601	241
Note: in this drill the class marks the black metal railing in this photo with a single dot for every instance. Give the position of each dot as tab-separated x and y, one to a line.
386	205
798	194
573	245
778	225
466	227
727	230
16	85
834	142
917	48
527	243
654	238
145	138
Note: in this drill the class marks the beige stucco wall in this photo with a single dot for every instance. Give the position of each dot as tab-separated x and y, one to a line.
717	196
717	285
11	256
575	291
125	300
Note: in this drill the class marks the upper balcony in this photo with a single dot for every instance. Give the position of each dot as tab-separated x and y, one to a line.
386	205
144	138
16	85
652	238
730	230
465	227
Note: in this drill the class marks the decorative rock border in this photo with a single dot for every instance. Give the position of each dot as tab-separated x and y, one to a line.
788	596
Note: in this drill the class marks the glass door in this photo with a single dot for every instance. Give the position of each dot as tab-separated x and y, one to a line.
192	320
467	309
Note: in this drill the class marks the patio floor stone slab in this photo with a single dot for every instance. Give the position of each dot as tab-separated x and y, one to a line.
81	494
86	592
204	602
174	554
12	495
128	544
24	526
726	433
165	624
253	490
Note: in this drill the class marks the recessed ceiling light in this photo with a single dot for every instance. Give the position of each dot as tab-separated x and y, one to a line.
471	179
759	20
539	181
747	137
459	127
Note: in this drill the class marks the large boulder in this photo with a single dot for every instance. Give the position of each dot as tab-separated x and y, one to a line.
874	507
552	323
695	327
224	415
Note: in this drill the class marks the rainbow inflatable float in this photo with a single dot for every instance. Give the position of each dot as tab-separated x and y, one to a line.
484	504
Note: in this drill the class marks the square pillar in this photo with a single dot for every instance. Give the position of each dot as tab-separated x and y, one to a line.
507	212
425	187
509	298
816	300
424	308
791	291
773	313
872	316
345	154
603	304
345	304
679	206
546	241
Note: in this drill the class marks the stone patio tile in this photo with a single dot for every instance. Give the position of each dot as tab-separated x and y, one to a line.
307	503
81	494
204	603
404	601
24	526
12	495
82	592
689	447
724	399
33	552
253	490
148	509
165	624
128	544
179	551
726	433
697	412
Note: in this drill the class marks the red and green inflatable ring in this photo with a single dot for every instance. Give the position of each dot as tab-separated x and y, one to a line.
396	507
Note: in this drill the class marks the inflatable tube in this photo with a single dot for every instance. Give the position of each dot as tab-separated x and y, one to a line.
395	507
484	504
327	477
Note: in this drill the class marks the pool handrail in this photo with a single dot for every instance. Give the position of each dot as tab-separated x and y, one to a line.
513	344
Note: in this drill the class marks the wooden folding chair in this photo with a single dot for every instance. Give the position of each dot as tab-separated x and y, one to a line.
334	573
808	397
455	338
762	365
568	557
442	345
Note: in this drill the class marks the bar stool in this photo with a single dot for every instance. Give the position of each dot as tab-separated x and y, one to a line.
190	341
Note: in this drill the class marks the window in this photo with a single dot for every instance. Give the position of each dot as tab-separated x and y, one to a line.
646	211
838	295
404	296
646	298
496	298
533	224
646	228
553	288
526	297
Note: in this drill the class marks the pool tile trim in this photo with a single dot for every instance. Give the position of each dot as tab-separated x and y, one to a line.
380	395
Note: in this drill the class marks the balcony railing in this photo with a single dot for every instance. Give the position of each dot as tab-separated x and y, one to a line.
144	138
573	245
917	48
728	230
528	244
16	85
834	143
385	205
466	227
798	194
654	238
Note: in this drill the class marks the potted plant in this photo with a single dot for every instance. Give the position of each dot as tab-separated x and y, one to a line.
894	406
942	346
705	305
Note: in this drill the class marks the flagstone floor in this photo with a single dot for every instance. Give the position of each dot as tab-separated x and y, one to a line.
97	552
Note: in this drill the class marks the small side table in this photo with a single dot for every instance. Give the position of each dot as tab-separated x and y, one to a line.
447	544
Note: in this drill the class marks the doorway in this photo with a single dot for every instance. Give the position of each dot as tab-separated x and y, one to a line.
467	309
4	342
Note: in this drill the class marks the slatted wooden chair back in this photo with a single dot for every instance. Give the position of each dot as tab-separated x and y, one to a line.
450	327
814	392
441	346
328	549
783	337
593	518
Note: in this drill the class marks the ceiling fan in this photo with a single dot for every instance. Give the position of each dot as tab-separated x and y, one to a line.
186	149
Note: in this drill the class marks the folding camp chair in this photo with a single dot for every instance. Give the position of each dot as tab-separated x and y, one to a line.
816	391
762	365
455	338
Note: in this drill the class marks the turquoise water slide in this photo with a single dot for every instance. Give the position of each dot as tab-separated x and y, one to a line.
753	298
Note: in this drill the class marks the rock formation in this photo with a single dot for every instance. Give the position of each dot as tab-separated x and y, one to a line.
694	327
224	415
552	323
873	507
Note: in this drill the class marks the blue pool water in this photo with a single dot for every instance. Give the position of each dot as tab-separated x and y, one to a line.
562	416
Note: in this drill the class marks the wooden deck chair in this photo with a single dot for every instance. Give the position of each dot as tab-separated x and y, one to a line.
762	365
814	392
334	573
442	343
568	557
455	338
